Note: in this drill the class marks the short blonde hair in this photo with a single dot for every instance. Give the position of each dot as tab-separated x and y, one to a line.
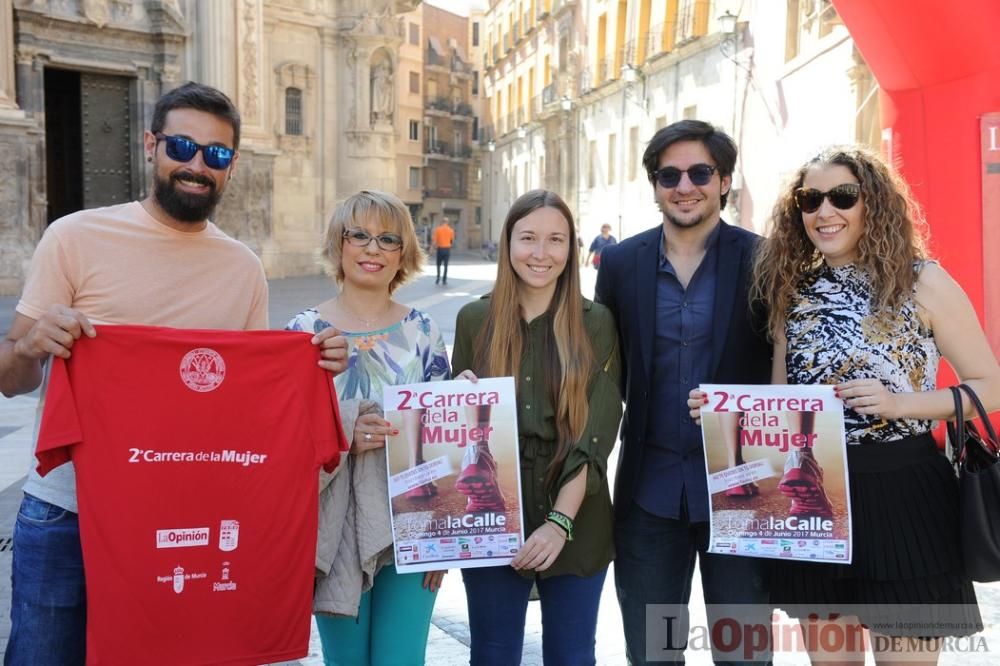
391	214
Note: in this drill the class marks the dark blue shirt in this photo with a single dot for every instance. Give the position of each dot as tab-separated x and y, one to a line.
672	476
601	242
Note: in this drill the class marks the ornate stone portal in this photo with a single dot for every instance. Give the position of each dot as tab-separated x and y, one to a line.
340	57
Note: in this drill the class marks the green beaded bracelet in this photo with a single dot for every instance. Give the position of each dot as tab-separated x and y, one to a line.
562	521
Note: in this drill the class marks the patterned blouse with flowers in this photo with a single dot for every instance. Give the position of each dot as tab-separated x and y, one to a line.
408	352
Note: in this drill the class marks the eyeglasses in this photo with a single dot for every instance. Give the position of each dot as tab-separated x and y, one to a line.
700	174
361	238
843	197
180	149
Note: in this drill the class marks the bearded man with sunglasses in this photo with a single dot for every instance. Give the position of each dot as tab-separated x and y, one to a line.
156	262
679	294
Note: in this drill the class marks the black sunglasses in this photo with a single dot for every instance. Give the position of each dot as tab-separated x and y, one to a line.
180	149
700	174
361	238
843	197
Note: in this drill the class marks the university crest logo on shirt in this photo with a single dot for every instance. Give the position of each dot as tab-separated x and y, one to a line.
203	370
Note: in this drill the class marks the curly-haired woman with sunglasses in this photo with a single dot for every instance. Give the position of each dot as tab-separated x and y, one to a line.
366	612
854	302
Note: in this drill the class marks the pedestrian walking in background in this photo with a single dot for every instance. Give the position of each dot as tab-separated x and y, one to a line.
367	613
444	238
562	351
601	241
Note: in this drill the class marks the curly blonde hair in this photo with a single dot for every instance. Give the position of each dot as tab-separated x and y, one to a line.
893	237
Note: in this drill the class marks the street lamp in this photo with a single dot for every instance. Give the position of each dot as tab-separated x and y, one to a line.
491	146
521	132
727	24
566	104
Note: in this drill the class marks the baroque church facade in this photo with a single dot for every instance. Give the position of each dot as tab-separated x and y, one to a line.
316	83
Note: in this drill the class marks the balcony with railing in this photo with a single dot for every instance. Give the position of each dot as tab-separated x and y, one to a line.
437	106
446	64
536	106
445	150
507	44
605	70
559	5
550	93
437	149
442	106
445	192
517	31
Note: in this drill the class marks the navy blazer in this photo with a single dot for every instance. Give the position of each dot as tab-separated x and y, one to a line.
741	353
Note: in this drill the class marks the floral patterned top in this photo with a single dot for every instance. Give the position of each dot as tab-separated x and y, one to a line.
408	352
833	336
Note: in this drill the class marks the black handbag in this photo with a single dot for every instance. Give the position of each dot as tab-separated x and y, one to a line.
976	458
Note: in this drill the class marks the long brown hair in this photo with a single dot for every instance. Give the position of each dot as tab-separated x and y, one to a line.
893	237
566	347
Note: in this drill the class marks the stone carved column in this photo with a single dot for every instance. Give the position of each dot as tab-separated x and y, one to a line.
8	89
216	46
250	31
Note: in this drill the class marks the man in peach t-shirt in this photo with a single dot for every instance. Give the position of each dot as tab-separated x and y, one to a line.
444	236
156	262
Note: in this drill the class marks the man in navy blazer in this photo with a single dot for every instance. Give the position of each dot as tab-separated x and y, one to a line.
679	293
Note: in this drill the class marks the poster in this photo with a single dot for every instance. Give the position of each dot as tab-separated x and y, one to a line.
776	461
454	474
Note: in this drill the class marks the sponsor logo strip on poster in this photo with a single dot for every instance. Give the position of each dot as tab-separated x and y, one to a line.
454	474
776	462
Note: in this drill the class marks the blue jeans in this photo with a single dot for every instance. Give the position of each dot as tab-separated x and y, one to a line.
655	565
498	603
49	602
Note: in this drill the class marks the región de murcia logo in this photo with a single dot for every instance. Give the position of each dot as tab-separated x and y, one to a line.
203	370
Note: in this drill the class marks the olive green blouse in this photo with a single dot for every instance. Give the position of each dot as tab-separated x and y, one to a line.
592	547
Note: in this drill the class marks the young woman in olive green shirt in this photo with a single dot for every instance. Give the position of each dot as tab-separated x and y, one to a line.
562	351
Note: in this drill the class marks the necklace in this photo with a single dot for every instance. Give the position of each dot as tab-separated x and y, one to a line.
369	323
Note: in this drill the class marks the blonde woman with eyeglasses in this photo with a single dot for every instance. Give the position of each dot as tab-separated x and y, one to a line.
366	612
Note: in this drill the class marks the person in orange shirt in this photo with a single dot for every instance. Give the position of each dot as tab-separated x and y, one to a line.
444	236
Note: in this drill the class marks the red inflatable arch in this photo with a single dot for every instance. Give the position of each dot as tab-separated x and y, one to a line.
938	68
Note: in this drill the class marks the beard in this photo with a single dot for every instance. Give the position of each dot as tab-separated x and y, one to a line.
184	206
684	224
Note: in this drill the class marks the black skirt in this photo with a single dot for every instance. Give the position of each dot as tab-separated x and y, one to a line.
906	577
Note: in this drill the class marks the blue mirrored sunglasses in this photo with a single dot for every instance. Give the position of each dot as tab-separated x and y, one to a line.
180	149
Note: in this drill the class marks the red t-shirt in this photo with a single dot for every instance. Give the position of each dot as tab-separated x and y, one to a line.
197	456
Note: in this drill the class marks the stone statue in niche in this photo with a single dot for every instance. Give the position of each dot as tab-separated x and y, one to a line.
387	24
382	94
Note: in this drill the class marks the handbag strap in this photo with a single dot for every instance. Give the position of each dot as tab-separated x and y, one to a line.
956	430
983	414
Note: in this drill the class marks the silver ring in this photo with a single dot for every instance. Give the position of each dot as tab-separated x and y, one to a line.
368	437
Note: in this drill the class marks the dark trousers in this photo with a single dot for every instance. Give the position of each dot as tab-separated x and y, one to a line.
655	565
498	603
443	254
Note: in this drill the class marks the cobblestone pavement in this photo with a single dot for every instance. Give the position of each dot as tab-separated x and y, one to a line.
449	633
